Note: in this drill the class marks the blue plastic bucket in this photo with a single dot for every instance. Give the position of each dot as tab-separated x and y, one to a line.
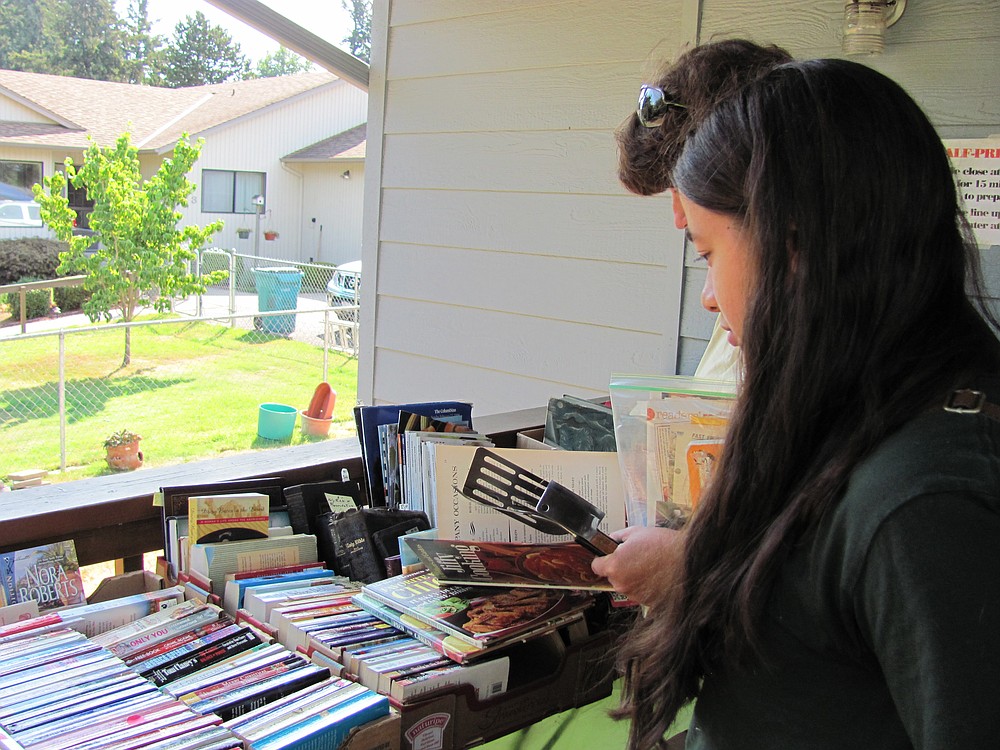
276	421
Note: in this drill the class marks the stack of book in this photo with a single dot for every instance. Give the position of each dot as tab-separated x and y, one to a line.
368	643
189	675
378	429
61	690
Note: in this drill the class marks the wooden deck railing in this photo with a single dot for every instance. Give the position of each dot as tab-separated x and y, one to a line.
113	517
23	289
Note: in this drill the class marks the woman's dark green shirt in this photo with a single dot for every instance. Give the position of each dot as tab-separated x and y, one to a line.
883	630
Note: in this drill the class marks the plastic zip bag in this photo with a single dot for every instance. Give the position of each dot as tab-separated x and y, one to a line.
669	431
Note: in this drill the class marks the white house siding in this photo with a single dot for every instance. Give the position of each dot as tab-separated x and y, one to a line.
503	263
13	111
331	211
508	264
255	143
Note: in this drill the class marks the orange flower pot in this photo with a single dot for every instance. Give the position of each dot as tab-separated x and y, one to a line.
124	457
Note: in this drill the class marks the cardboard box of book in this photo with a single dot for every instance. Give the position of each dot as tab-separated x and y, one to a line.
127	584
551	682
533	439
381	734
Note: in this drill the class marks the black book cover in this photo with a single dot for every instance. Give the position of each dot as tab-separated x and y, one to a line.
357	542
308	501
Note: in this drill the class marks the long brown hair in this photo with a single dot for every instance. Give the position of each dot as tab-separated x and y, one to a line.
859	320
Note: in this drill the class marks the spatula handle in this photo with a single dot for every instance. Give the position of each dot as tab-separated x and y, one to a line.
599	543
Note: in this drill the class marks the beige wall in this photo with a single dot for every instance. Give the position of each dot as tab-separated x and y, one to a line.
256	143
331	211
503	262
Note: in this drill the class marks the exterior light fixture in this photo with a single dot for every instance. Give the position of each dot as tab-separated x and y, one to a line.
865	24
346	174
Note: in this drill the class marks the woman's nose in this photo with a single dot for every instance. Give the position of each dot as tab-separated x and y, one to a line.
708	300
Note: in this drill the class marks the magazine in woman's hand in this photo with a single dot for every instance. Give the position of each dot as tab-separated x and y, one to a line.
549	565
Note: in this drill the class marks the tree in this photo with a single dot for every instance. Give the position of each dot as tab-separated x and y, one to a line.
283	62
89	41
21	21
360	40
201	53
142	254
141	48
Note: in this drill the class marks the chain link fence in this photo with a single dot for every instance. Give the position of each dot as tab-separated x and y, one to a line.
265	335
275	284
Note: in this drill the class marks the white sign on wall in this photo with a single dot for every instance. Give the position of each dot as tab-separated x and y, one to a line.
976	166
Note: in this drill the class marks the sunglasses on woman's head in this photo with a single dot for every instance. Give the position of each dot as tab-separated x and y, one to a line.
653	106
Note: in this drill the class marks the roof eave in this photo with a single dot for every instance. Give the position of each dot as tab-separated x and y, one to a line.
323	160
292	36
45	112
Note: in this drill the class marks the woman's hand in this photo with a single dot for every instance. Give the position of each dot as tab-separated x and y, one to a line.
643	563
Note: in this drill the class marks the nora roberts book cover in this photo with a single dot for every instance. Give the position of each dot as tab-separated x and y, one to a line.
48	575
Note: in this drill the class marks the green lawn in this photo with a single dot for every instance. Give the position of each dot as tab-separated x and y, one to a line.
191	391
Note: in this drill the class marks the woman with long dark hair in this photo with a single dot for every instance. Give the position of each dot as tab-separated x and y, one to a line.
839	585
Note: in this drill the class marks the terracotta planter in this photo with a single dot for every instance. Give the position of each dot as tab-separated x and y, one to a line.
124	457
270	235
315	427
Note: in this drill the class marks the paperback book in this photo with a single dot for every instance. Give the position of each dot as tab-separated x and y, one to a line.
48	574
477	614
457	649
214	561
227	518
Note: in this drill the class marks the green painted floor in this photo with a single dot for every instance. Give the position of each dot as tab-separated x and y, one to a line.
577	729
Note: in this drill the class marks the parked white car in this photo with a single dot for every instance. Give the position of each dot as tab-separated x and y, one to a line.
20	214
343	288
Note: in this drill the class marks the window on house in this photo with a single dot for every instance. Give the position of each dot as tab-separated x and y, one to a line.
225	191
20	174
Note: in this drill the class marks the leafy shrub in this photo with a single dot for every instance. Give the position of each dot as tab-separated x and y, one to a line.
70	297
29	256
36	301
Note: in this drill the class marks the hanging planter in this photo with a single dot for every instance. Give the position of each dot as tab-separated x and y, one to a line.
123	452
243	233
270	235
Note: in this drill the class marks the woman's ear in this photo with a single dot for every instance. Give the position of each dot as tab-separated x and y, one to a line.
680	220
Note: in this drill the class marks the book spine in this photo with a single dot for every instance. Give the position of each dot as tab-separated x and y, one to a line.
163	631
191	647
243	701
187	664
327	730
171	643
145	624
458	651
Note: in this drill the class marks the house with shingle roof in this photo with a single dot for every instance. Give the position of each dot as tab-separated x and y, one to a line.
298	141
